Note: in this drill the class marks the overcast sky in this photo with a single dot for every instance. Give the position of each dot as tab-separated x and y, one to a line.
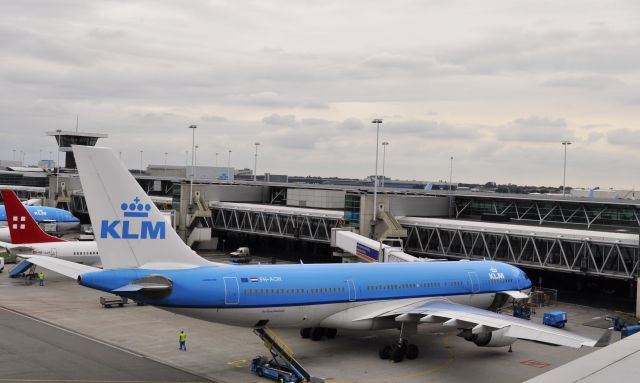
495	84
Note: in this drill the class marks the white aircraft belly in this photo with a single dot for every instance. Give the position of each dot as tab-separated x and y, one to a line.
336	315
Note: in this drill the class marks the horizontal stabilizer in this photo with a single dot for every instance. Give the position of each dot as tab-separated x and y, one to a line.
60	266
133	287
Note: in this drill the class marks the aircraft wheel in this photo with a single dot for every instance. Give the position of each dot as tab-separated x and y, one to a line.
331	333
412	351
397	354
260	373
385	352
305	332
317	333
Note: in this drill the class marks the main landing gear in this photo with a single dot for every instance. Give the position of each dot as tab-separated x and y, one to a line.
317	333
402	349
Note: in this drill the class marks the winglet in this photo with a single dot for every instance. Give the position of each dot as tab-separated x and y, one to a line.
22	227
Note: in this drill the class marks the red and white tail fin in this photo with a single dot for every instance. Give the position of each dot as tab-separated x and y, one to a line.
22	227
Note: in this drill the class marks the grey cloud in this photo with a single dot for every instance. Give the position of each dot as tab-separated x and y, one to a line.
433	129
595	136
351	124
276	119
294	139
625	137
588	82
315	121
213	118
535	129
270	99
602	49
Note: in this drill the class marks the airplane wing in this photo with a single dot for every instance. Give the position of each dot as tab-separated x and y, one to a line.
66	268
481	321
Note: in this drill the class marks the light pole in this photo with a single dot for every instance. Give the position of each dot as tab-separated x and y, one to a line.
384	157
376	121
450	174
141	161
255	163
165	163
229	167
217	159
564	174
14	154
59	131
193	144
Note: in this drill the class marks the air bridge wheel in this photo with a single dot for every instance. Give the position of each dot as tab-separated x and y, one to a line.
385	352
305	332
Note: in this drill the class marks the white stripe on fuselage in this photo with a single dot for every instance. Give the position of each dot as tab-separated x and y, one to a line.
337	315
73	251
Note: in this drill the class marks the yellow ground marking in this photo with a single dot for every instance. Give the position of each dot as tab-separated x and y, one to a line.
238	363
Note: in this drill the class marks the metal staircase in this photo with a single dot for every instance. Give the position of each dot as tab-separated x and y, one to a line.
282	354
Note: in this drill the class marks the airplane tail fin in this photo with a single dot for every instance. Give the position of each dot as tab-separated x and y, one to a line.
22	227
129	228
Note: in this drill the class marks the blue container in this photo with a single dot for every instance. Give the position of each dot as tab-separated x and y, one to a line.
555	318
629	329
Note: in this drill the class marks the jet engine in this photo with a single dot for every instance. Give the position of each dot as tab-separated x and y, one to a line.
495	338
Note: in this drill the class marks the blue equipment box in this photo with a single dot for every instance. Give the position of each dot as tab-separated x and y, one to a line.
555	318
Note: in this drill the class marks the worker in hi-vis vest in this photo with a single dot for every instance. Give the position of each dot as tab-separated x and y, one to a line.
41	278
183	340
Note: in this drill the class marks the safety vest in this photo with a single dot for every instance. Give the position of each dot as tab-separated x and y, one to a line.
183	337
41	276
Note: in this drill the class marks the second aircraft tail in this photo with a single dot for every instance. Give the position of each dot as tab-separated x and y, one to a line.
22	227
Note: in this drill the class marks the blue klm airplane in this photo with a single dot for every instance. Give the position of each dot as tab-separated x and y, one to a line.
145	260
42	214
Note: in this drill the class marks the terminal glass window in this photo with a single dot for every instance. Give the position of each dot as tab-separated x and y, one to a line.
352	209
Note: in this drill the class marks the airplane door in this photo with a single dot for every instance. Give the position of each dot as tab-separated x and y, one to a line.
352	290
54	252
231	291
474	282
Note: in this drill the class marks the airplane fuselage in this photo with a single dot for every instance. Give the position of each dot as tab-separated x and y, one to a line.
85	252
327	295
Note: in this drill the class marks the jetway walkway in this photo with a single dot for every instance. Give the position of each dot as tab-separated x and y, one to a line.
275	220
369	250
597	253
611	255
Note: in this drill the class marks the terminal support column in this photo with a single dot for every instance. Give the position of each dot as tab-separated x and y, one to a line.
638	297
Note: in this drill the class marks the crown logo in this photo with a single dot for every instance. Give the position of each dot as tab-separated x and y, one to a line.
135	208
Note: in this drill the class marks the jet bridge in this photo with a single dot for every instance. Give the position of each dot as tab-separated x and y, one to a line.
367	249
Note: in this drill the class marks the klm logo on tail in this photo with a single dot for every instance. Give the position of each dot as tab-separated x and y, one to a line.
125	228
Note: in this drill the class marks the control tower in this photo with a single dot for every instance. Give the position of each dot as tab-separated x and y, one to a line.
67	138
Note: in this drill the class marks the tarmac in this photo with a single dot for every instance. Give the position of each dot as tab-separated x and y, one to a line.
75	339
